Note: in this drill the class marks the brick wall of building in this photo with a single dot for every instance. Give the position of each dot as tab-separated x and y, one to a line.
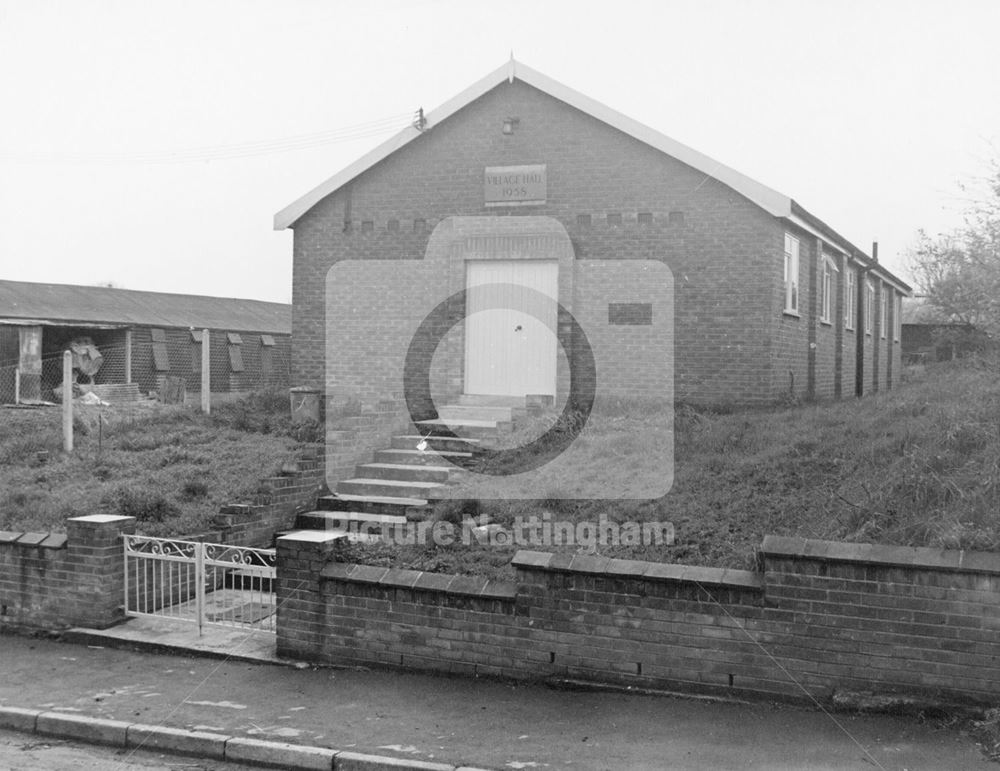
819	617
723	251
617	199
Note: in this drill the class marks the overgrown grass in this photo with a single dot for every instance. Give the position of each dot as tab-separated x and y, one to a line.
918	465
170	467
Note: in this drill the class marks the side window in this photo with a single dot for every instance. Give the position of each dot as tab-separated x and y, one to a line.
883	307
791	274
869	307
827	290
850	298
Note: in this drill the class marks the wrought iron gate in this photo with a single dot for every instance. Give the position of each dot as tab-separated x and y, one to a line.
206	583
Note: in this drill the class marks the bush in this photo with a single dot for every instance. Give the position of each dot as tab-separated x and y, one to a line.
194	488
144	505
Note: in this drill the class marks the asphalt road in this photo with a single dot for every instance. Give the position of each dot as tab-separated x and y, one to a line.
458	720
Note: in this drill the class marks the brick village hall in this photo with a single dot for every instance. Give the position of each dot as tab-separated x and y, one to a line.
521	180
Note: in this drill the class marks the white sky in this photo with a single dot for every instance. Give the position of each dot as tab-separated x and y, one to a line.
119	121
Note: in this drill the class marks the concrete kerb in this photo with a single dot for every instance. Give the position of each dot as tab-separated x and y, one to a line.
258	752
198	743
87	729
356	761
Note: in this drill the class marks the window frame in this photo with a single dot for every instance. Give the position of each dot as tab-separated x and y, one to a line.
883	313
850	298
792	264
897	319
827	289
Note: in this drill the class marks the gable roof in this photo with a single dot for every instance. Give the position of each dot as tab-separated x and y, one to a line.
22	302
771	201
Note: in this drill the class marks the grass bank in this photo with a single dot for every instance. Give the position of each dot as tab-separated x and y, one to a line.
169	466
918	465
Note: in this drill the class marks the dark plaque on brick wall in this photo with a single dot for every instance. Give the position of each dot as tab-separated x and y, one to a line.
630	314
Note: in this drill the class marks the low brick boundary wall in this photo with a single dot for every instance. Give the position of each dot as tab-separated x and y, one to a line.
53	581
817	618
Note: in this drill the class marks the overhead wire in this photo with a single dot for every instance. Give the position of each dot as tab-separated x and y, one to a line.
219	152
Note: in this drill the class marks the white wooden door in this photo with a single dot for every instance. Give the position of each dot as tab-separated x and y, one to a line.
510	339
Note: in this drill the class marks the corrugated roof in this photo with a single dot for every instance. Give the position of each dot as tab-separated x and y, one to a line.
65	303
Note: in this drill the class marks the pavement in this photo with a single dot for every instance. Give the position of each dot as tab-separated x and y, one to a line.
225	697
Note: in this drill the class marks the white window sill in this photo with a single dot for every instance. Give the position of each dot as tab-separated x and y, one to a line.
826	322
793	314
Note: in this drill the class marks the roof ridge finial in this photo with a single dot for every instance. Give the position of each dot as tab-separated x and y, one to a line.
510	67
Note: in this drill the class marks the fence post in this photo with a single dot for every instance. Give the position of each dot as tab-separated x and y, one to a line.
67	400
17	385
206	374
199	583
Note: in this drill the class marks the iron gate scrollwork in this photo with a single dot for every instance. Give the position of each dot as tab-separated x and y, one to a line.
206	583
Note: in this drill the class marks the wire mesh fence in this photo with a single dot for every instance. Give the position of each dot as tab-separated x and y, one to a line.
123	369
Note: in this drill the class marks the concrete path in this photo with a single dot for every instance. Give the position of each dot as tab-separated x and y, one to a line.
459	721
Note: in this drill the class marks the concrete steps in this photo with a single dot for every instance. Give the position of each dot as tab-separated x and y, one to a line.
417	472
462	412
404	477
373	504
438	458
387	488
490	400
333	520
466	428
435	443
355	526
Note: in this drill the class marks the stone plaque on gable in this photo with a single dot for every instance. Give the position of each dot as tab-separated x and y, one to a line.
514	185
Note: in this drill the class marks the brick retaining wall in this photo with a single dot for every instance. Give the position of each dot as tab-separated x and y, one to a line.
293	491
817	618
